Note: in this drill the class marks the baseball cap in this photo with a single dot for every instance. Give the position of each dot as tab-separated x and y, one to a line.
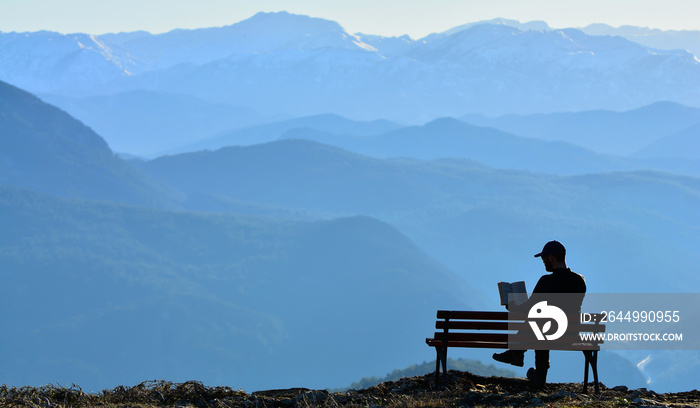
552	248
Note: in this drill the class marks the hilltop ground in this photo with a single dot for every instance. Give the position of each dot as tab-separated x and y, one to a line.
463	390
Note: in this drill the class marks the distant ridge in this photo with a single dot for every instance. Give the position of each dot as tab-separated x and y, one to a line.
451	138
146	123
655	38
272	131
45	149
603	131
679	145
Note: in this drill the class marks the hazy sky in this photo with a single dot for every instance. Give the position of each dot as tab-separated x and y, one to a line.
384	17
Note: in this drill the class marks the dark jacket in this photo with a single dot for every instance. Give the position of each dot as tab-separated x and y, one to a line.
570	285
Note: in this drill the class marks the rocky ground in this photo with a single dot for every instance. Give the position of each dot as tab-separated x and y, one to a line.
462	390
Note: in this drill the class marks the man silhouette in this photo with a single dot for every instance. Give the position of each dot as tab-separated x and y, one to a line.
560	280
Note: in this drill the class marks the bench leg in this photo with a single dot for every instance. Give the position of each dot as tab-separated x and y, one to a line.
444	366
440	360
587	356
437	367
594	366
592	361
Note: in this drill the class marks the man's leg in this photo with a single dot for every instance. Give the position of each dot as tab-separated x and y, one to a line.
538	375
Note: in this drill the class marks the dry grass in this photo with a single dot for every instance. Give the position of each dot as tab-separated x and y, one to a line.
462	390
146	394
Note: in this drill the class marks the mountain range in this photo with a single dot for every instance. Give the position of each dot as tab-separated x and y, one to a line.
660	136
291	65
477	199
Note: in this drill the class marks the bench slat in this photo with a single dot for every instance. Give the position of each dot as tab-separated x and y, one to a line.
517	346
453	325
468	344
477	315
513	339
591	328
499	337
488	315
509	325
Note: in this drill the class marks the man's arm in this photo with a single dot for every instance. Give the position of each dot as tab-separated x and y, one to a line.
541	287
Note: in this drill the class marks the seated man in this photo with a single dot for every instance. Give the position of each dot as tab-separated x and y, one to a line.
561	280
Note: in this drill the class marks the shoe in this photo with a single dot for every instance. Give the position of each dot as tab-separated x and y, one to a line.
511	357
537	379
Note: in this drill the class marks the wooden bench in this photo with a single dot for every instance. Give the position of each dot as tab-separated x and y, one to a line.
475	329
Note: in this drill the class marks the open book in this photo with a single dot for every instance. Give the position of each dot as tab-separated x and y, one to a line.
516	288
